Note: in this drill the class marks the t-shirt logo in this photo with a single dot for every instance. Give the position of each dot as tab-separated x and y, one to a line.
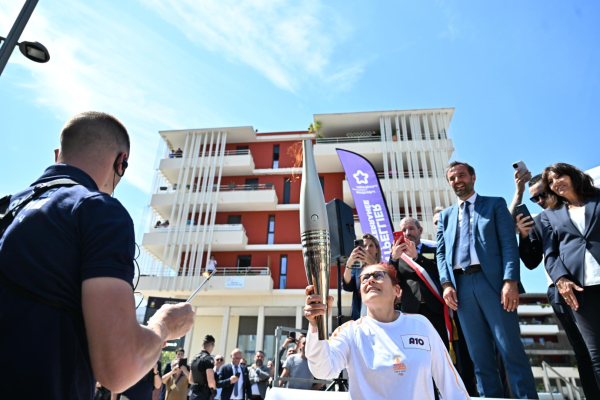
399	366
416	342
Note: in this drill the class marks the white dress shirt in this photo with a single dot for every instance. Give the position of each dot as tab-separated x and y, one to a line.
591	268
240	383
473	253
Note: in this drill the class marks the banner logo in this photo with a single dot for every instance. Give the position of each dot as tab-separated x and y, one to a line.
361	177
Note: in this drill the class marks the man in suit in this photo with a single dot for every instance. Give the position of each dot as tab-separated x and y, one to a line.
235	387
531	252
478	263
417	298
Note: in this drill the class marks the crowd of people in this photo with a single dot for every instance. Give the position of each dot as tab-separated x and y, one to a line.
208	377
468	287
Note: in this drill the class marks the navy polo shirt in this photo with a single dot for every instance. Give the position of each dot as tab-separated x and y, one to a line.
67	235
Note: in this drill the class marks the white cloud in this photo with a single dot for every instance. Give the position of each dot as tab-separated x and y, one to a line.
290	43
103	60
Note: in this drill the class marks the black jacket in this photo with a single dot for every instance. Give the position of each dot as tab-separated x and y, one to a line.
565	246
413	289
223	381
531	249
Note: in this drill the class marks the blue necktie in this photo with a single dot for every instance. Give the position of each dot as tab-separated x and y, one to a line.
464	255
235	385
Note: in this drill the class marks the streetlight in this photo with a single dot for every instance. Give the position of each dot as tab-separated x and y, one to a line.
32	50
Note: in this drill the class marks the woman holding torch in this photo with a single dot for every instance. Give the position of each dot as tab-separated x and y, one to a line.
388	354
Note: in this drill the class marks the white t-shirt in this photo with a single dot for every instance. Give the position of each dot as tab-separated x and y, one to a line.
387	360
212	265
591	268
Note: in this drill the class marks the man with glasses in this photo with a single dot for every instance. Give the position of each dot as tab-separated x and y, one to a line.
531	253
219	361
234	379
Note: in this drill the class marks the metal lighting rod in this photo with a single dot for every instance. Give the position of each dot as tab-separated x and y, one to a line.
15	33
200	287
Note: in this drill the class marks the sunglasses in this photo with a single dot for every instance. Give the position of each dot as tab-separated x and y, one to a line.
242	363
379	276
537	197
219	359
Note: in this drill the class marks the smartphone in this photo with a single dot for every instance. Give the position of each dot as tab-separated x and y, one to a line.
522	209
182	362
399	234
357	264
237	374
520	166
293	335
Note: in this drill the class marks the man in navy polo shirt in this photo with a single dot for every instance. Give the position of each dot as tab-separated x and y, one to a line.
66	272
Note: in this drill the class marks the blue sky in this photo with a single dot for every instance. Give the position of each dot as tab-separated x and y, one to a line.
522	75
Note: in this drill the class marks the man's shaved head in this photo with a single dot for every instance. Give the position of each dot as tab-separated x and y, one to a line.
93	134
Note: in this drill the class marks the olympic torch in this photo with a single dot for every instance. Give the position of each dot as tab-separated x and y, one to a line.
314	232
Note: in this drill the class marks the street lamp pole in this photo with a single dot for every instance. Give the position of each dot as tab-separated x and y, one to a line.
15	33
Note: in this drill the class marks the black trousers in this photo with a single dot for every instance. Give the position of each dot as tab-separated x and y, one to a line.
565	315
588	323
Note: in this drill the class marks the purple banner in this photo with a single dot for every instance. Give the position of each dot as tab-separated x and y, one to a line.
368	199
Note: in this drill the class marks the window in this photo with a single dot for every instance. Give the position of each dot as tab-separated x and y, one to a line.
286	191
241	148
271	230
283	272
234	219
246	340
322	181
244	261
276	156
251	184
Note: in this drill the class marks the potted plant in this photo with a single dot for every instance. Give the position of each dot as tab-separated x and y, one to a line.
315	128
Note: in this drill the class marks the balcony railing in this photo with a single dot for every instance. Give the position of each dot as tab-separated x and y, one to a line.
192	224
404	174
547	346
349	139
214	153
222	188
221	271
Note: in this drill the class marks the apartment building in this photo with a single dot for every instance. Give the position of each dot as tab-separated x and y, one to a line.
545	340
233	193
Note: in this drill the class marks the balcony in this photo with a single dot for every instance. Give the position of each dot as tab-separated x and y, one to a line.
226	282
327	159
235	162
539	329
231	198
548	348
347	194
534	310
225	238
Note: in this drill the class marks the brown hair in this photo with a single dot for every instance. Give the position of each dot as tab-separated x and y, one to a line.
582	183
456	164
374	240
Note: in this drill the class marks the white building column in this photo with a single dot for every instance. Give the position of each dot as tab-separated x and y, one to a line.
225	329
187	343
299	315
260	328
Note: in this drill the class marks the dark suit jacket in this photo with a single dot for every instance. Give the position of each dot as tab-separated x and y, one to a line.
531	249
495	242
565	246
223	381
354	287
413	289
